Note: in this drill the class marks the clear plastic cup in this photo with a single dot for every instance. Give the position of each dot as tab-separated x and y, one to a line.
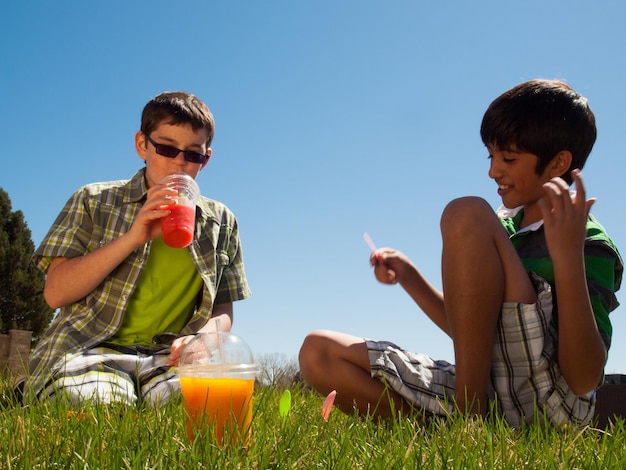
217	374
178	227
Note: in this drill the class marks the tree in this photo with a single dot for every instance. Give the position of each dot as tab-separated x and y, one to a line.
277	370
22	305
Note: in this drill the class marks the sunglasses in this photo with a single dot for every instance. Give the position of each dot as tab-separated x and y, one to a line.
172	152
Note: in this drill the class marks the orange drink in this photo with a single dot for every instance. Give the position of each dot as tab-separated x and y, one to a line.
222	404
217	374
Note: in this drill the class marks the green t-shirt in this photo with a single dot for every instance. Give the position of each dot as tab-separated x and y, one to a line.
165	297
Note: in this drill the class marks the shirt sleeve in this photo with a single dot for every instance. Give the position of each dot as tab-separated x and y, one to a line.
603	266
69	235
233	284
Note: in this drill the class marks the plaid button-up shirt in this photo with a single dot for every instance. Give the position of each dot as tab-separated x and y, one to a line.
97	214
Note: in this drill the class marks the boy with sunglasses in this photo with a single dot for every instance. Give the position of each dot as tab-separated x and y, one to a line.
503	276
127	302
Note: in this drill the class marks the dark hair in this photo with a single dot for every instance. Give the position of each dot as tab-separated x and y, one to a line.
176	107
542	117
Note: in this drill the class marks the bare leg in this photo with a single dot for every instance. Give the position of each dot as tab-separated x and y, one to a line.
480	270
336	361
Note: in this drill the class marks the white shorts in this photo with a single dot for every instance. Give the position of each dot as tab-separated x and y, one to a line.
110	373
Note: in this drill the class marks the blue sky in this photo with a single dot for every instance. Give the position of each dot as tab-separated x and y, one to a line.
333	118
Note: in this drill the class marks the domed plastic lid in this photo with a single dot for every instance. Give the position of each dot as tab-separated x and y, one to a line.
217	354
185	185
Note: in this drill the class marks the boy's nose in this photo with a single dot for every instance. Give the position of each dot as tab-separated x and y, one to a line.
494	171
180	159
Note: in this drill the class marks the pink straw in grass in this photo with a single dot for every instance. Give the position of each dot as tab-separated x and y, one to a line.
328	404
369	242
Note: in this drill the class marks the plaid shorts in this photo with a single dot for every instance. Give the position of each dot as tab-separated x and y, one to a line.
110	373
525	377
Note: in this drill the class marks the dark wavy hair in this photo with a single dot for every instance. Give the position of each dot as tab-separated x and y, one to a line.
542	117
177	107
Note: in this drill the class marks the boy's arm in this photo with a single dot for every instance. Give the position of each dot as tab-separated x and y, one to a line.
582	352
71	279
392	267
223	313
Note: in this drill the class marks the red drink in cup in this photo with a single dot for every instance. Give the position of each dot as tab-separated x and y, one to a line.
178	226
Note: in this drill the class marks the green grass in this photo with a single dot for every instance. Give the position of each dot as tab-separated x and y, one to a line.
52	435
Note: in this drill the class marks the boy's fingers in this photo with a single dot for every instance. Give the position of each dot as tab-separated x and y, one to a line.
589	203
580	187
552	196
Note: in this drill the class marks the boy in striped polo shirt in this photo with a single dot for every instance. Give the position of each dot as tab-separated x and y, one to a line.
527	307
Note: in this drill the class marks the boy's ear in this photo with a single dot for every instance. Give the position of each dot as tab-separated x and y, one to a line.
209	152
560	163
141	145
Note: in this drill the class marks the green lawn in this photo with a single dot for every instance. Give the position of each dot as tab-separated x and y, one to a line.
116	437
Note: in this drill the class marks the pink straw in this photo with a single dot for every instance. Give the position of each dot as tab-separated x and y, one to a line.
369	242
328	404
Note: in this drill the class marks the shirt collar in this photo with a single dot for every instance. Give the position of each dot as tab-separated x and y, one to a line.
137	188
516	214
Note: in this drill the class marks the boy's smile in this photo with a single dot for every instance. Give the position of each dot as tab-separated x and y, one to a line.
179	136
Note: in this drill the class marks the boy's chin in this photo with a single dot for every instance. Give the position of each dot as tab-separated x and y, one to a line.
510	205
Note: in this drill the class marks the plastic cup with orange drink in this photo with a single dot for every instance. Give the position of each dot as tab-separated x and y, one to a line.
217	374
178	226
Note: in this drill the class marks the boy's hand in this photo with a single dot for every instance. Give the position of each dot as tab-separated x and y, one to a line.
565	218
388	265
177	348
147	225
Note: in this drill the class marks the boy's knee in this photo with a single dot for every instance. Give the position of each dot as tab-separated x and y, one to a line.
159	390
312	353
464	212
